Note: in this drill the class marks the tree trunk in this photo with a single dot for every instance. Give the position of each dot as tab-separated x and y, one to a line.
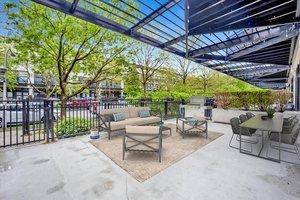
144	89
63	108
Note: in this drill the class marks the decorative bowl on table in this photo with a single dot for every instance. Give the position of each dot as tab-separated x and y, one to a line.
264	117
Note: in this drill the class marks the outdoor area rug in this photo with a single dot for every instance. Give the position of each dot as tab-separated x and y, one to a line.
143	165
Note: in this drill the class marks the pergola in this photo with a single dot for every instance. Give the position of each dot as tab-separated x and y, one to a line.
252	40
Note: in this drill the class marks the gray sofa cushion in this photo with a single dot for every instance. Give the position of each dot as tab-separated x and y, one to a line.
133	121
119	117
144	113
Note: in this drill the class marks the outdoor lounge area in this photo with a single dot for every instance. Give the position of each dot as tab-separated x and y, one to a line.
150	99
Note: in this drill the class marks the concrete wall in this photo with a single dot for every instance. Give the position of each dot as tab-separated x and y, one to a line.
224	116
295	63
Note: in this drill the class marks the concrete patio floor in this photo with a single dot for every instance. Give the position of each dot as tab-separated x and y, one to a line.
74	169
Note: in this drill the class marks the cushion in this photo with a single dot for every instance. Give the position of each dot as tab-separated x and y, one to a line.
125	111
133	121
134	111
144	113
118	117
149	133
142	129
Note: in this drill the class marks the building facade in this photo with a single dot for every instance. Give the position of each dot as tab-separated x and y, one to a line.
24	88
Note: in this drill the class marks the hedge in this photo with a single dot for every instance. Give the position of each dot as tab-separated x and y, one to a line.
252	99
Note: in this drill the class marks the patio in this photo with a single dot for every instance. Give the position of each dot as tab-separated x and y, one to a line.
216	171
85	42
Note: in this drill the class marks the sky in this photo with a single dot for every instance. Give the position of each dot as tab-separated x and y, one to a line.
3	17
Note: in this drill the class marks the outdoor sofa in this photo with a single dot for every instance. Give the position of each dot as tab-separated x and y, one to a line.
131	116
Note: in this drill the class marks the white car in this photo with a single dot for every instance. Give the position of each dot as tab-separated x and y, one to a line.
12	113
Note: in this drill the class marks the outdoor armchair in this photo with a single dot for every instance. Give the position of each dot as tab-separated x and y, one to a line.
288	137
236	130
244	118
249	115
143	139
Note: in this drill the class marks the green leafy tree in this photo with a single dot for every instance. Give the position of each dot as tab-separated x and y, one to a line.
184	68
132	86
76	53
149	60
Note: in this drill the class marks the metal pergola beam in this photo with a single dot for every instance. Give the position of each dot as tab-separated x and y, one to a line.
258	68
172	42
254	14
260	35
241	46
260	71
269	84
270	79
65	7
283	37
153	15
227	12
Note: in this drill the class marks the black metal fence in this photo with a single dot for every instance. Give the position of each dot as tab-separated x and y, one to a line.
25	121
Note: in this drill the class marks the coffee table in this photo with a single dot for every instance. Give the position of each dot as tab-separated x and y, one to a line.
190	125
166	128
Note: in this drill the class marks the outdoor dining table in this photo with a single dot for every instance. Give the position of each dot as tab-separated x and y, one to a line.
268	125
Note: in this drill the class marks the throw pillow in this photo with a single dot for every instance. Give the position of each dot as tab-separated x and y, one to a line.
144	113
118	117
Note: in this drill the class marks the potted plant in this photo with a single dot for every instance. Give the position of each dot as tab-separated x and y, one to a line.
94	133
270	112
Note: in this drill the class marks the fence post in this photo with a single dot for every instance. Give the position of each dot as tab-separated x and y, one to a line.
166	109
52	120
48	124
25	117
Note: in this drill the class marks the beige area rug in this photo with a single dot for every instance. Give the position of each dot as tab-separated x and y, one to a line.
143	165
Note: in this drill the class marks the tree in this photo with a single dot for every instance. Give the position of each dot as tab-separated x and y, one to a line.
206	75
184	68
148	61
76	53
132	87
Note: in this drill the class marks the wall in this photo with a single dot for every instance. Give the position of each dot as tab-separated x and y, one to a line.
295	63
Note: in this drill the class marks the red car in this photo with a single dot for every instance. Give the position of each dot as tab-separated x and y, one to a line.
83	103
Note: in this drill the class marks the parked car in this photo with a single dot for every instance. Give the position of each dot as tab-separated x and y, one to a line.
12	113
82	103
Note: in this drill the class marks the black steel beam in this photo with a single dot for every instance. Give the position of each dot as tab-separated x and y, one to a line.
230	12
259	71
74	5
259	35
153	15
261	15
65	7
283	37
271	79
172	42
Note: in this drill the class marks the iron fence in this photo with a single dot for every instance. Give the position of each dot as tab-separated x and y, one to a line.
28	121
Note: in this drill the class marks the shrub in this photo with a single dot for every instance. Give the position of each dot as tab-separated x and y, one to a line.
262	99
222	99
71	126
